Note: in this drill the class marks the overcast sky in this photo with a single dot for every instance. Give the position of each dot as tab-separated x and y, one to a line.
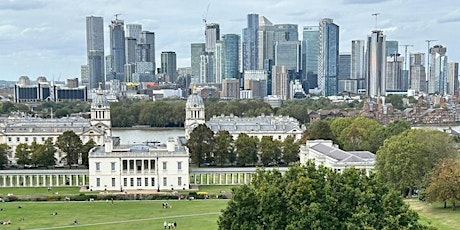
47	37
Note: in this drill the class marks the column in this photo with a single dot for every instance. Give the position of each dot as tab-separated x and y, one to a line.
84	179
194	178
201	178
220	178
244	178
51	180
207	178
31	180
77	178
4	181
37	180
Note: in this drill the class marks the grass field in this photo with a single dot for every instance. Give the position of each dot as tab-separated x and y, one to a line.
196	214
435	215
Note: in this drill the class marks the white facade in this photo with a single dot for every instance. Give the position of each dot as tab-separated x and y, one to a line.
139	167
324	152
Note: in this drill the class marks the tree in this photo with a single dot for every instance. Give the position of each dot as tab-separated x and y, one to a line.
290	150
223	147
406	159
318	130
85	150
3	154
445	182
306	197
201	144
395	128
246	149
362	134
23	154
43	154
270	150
69	143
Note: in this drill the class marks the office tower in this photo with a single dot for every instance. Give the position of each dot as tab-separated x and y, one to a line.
391	48
231	88
117	50
265	36
219	62
146	49
375	64
417	72
130	50
286	32
250	43
212	34
196	50
310	54
437	82
394	73
357	64
231	46
452	78
133	31
256	81
84	75
280	82
95	51
168	65
346	84
206	67
328	59
287	54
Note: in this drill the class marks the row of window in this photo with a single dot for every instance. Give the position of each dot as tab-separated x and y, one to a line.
139	165
139	182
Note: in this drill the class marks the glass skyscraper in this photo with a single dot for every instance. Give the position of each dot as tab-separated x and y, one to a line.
117	50
310	53
169	65
376	64
391	48
196	50
438	70
358	63
95	51
287	53
231	46
250	41
328	61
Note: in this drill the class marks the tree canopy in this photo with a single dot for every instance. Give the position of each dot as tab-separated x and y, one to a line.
71	144
309	198
201	144
445	182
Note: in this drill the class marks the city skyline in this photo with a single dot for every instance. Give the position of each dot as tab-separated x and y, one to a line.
47	38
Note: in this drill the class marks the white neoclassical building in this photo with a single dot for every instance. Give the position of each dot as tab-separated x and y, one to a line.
20	128
138	167
324	152
278	127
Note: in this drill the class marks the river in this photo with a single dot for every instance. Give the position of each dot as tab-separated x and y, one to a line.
135	136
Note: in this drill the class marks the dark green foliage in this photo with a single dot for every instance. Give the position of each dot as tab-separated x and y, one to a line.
246	149
70	143
85	150
223	149
3	154
309	198
201	144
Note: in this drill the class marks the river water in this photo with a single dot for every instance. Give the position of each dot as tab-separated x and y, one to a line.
136	136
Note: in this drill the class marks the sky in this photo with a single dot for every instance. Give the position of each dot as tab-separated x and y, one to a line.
48	37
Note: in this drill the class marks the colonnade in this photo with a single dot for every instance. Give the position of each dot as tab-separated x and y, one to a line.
225	176
43	178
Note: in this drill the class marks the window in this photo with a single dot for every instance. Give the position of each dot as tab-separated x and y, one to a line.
179	165
113	181
152	164
35	139
165	165
98	166
113	166
43	139
9	139
146	181
138	165
26	139
139	182
131	182
152	181
125	182
179	181
165	181
17	139
125	165
279	137
98	182
146	165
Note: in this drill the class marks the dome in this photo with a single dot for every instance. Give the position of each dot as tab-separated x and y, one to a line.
194	100
100	101
41	79
24	80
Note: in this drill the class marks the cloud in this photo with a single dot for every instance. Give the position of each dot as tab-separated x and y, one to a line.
21	5
363	1
450	17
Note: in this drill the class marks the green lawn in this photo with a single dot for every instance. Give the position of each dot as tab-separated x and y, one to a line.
196	214
435	215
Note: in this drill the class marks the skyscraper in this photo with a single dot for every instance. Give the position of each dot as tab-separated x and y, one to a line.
95	51
280	82
265	36
452	78
133	31
437	82
117	50
310	54
212	34
196	50
357	64
250	43
169	65
287	54
376	64
391	47
394	73
417	72
328	60
231	46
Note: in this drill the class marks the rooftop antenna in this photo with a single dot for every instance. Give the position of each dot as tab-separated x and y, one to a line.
116	16
376	15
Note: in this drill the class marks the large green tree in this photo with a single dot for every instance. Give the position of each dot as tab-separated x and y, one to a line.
362	134
85	150
290	150
223	149
23	154
44	154
270	150
71	144
404	160
246	149
201	144
445	182
306	197
3	154
318	130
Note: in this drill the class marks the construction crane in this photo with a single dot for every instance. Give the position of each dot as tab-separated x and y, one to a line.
376	16
116	16
205	16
